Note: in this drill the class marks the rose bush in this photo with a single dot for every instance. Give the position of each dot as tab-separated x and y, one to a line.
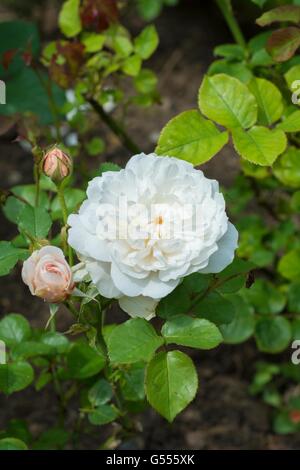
153	237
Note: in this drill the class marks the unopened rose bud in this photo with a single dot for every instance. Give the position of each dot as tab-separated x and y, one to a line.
48	275
56	164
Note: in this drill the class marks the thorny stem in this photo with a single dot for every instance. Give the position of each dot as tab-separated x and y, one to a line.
37	184
62	202
116	128
48	88
59	393
57	386
37	155
72	308
100	337
64	210
226	9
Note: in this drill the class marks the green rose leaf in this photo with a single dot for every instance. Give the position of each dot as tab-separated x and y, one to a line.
11	443
257	172
175	303
69	18
292	75
294	297
83	361
259	145
260	3
283	424
230	51
146	81
196	283
43	379
14	329
132	382
242	326
289	265
215	308
148	9
103	414
269	100
273	334
257	48
28	349
108	166
193	332
73	197
132	65
93	42
235	69
133	341
233	278
290	13
287	168
52	439
227	101
58	343
265	298
261	58
15	377
291	123
95	146
25	93
146	42
14	206
100	393
295	201
9	256
190	137
120	40
19	429
24	33
171	383
35	221
296	328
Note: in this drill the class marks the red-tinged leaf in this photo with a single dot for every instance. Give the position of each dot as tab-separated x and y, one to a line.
27	57
283	43
8	57
64	73
295	416
97	15
290	13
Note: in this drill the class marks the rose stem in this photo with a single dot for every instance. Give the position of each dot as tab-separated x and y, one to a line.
64	210
226	9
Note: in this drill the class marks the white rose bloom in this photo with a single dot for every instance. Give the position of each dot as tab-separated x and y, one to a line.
144	228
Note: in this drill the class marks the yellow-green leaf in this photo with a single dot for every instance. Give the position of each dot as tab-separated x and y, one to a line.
259	145
69	18
269	100
227	101
191	137
291	123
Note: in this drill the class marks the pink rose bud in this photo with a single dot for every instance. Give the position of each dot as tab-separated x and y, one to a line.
48	275
56	164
